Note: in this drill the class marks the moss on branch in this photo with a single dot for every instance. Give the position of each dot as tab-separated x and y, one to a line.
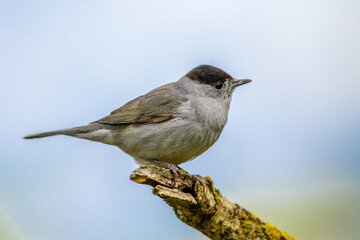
200	205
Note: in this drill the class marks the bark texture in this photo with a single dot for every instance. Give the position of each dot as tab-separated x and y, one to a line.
197	203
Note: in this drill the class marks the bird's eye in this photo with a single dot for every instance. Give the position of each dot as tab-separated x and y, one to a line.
219	85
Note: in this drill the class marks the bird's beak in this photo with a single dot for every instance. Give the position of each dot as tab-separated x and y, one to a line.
239	82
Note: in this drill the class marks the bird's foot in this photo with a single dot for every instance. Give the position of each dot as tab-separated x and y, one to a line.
175	170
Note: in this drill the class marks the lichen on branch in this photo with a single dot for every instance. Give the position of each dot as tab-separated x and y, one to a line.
200	205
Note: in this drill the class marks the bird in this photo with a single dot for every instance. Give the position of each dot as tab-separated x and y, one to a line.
169	125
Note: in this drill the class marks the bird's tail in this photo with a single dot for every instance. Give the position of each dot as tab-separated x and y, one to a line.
69	131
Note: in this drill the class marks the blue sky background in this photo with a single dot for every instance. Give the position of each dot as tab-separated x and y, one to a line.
290	151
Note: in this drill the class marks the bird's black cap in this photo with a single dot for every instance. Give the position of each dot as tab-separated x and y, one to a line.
208	74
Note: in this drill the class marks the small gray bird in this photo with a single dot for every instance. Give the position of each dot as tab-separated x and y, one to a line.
169	125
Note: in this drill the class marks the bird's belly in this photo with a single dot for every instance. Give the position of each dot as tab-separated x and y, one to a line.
175	141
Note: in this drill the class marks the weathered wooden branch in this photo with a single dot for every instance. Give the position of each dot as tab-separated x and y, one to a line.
198	204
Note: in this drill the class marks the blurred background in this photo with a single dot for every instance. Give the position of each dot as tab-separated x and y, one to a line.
289	153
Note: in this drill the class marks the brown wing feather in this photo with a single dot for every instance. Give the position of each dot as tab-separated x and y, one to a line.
156	106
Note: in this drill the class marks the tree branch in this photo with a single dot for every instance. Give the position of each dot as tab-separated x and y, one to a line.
197	203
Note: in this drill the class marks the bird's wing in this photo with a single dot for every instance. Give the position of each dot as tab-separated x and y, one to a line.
156	106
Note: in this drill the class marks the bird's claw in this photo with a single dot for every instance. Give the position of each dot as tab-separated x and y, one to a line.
174	169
